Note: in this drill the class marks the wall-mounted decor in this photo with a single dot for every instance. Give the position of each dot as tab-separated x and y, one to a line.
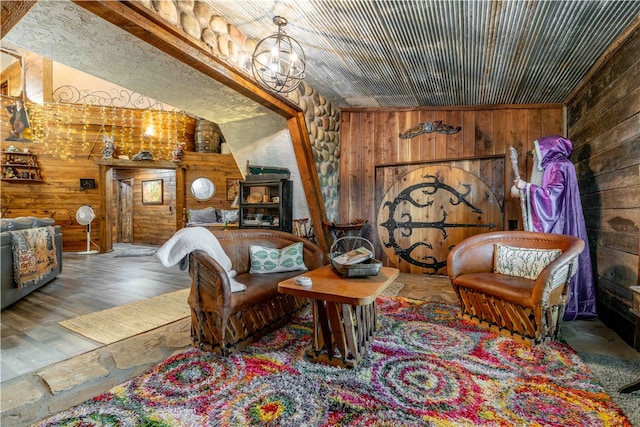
429	127
19	121
121	98
430	209
152	192
233	188
87	183
203	189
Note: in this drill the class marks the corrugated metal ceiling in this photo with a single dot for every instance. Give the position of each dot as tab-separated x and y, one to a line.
392	53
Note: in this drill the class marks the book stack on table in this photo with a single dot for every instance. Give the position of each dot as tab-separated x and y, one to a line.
354	256
358	262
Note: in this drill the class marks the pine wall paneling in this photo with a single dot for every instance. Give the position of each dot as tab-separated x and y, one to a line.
12	78
218	168
38	81
67	140
603	119
150	223
370	140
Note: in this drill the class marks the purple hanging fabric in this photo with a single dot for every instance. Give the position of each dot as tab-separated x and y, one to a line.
555	207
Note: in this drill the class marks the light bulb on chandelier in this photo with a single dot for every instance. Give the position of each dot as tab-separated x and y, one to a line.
278	62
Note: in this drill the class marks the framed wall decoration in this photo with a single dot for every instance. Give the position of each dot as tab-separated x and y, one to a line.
233	188
152	192
87	183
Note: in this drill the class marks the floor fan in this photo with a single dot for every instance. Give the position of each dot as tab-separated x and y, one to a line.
84	216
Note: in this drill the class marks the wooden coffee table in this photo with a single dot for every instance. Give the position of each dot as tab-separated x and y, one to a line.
344	312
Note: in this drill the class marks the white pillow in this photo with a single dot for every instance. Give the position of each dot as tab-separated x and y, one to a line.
522	262
272	260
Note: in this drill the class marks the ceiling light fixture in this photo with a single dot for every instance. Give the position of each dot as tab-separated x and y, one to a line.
278	62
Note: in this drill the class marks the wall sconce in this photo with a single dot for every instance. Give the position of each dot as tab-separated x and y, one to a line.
278	61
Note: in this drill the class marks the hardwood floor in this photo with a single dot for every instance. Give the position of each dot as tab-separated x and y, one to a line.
31	337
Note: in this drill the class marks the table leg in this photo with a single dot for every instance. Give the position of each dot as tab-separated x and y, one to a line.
323	339
338	327
349	328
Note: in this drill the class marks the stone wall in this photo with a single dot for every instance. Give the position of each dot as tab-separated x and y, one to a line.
200	21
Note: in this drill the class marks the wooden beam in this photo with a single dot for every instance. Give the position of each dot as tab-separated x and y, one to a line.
145	25
105	187
181	195
309	176
12	12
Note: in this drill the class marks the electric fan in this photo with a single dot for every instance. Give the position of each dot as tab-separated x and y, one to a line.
84	216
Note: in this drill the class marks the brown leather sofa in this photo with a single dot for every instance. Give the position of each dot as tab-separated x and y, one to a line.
524	309
225	321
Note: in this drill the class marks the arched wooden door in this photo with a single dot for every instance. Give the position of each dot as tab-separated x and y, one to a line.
428	211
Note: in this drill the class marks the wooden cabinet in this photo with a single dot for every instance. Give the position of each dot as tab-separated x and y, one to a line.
266	204
19	166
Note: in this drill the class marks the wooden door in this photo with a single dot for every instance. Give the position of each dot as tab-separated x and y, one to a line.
124	221
428	211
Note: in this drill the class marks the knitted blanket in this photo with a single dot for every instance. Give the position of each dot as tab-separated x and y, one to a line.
182	243
34	254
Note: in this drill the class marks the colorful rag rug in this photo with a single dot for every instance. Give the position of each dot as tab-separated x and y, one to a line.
34	254
425	368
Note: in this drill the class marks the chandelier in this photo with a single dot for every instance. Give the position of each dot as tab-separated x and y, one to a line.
278	62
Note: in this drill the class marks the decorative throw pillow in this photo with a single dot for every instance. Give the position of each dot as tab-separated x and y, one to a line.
272	260
522	262
202	216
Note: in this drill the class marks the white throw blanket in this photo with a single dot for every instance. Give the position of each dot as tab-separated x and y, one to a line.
180	245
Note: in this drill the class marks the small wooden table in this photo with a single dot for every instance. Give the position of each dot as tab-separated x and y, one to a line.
344	312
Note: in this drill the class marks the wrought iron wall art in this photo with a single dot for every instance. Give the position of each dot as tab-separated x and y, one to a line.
120	98
416	220
429	127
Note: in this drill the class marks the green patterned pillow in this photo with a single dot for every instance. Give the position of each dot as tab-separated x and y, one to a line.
522	262
272	260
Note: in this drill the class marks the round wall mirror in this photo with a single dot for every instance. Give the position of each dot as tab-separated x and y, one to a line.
203	189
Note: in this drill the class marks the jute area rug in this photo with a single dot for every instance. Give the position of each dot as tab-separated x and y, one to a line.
117	323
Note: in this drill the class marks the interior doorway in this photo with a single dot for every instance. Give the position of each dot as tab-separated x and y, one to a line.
124	212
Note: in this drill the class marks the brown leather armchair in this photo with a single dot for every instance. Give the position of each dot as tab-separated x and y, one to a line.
529	310
225	321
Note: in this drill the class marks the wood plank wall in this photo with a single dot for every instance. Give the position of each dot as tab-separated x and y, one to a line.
64	138
151	224
38	84
603	119
370	139
12	79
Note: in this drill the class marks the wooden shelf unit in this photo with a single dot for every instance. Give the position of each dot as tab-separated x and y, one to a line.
23	166
274	210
